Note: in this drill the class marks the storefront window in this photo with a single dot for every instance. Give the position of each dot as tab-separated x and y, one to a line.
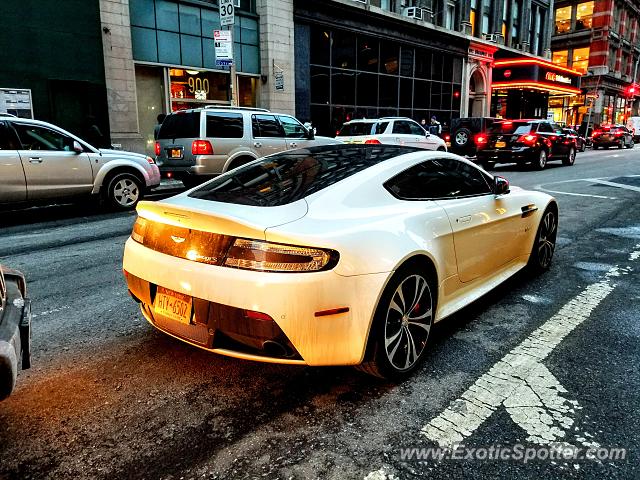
193	88
584	16
247	91
563	19
560	57
581	59
151	102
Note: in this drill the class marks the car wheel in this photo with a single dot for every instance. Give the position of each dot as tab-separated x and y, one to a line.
621	144
441	149
541	162
571	158
632	144
462	137
595	147
545	243
584	147
123	191
402	324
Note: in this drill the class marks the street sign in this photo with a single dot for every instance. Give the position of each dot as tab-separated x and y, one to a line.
224	47
227	13
279	80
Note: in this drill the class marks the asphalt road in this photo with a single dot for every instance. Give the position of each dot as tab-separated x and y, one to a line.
110	397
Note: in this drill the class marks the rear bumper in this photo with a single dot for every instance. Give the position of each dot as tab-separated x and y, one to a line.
291	300
611	143
507	156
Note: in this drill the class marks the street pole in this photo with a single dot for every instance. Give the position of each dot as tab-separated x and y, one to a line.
232	72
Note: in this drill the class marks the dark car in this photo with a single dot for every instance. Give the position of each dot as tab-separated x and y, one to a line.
15	328
581	142
464	131
525	141
612	136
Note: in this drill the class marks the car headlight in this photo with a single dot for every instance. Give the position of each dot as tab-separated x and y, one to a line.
227	251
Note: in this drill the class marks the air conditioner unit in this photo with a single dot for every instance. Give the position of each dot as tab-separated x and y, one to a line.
413	12
492	37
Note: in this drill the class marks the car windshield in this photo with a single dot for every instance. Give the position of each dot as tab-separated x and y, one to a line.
511	128
180	125
362	128
287	177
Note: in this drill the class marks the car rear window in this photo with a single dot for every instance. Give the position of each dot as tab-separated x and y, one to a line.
180	125
511	128
287	177
225	125
363	128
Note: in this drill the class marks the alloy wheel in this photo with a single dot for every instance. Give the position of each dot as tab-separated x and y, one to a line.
408	322
461	138
126	192
542	159
547	240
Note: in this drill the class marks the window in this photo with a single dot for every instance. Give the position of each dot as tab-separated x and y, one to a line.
581	59
515	22
292	127
225	125
416	129
584	16
287	177
266	126
439	179
40	138
180	125
401	127
563	19
8	139
473	15
363	128
512	128
560	57
544	127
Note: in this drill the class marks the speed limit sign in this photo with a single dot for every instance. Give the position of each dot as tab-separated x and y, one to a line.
227	14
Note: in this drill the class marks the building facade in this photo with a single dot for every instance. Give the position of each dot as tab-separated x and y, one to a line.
599	38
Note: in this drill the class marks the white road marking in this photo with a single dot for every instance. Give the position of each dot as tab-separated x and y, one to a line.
542	188
617	185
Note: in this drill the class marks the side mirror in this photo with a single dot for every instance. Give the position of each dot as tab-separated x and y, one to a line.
500	185
310	134
77	147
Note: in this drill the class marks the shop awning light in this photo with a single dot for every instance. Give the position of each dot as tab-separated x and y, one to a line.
514	62
544	87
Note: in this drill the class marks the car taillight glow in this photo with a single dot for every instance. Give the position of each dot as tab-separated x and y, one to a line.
158	149
150	160
372	141
618	134
275	257
528	139
480	139
201	147
447	138
596	133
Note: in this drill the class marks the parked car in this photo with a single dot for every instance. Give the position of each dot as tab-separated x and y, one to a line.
390	131
525	141
633	124
612	136
333	255
464	131
581	142
42	163
195	145
15	328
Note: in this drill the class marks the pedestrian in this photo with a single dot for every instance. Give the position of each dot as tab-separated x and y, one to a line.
435	127
156	130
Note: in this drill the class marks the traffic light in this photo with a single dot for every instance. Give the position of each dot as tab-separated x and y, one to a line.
633	90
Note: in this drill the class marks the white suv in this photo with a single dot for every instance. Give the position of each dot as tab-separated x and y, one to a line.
390	130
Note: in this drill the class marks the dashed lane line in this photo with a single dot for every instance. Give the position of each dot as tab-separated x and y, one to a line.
530	393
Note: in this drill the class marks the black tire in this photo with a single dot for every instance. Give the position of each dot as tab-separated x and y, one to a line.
238	162
462	137
632	144
541	162
595	147
123	191
621	145
544	244
441	149
396	343
571	158
584	146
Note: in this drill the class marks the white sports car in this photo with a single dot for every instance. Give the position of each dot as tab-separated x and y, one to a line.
334	255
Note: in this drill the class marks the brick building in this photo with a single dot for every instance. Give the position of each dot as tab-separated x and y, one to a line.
601	39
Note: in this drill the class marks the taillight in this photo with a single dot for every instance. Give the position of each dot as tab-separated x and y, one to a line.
529	139
150	160
447	138
158	149
618	134
139	229
372	141
275	257
481	139
597	133
201	147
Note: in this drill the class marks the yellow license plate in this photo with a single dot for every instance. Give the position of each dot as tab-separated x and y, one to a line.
173	305
176	153
501	144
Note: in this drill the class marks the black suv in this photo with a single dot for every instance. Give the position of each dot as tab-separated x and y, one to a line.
612	136
525	141
464	131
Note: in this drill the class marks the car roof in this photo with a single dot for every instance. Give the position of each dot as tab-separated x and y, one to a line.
376	120
222	108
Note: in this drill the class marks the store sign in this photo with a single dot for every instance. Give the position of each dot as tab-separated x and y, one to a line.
224	48
279	81
227	13
16	102
556	77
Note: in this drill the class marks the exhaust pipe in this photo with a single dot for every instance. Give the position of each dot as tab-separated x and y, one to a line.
275	349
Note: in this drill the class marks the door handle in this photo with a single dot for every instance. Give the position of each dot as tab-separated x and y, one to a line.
528	210
465	219
257	144
35	159
294	144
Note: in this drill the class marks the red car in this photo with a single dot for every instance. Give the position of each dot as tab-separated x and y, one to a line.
612	136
